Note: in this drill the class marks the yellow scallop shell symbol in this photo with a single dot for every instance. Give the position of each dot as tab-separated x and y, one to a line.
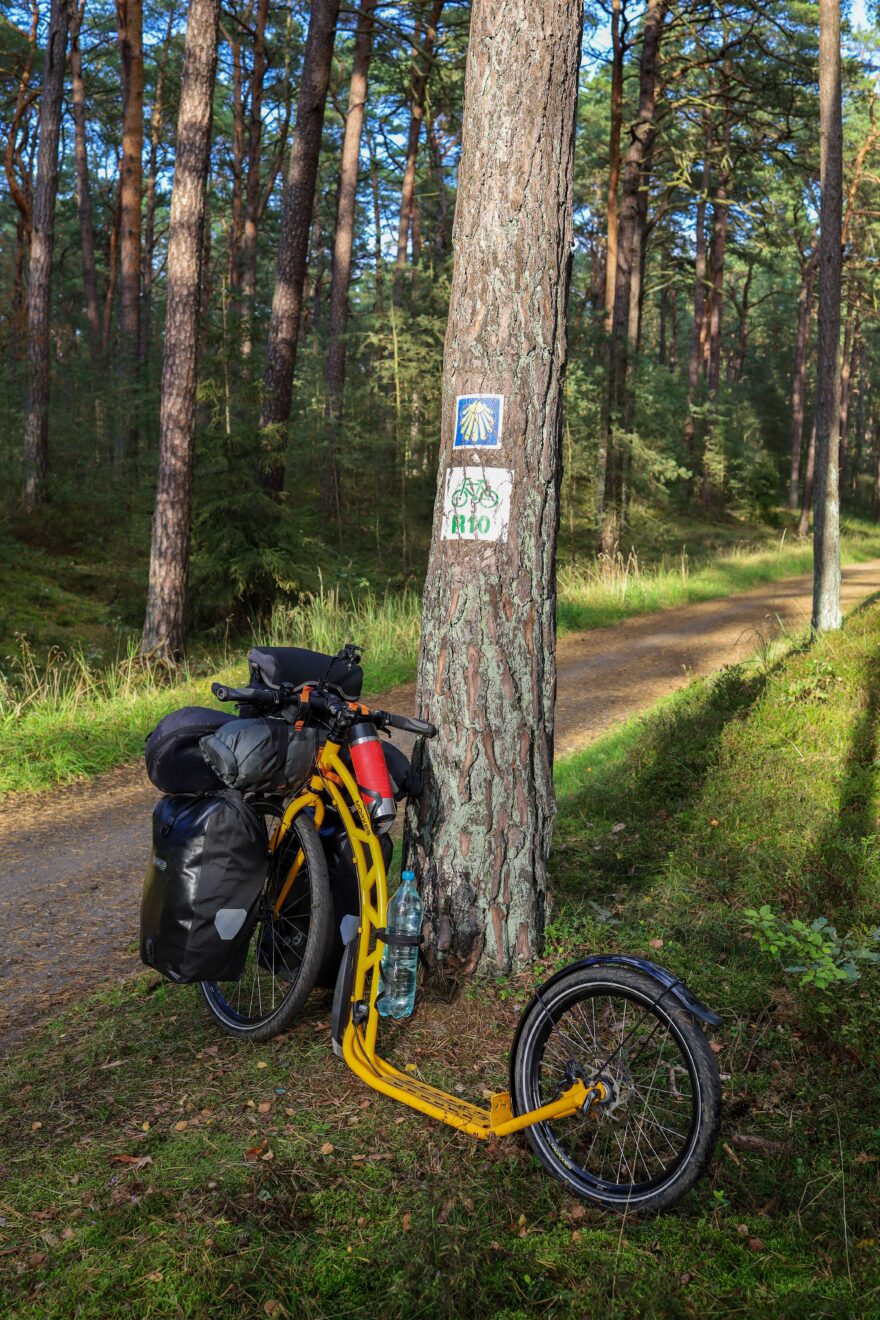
477	422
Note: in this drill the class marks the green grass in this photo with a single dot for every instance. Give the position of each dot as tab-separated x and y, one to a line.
759	785
71	714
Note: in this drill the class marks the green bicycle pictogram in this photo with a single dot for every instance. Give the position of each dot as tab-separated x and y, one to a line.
479	491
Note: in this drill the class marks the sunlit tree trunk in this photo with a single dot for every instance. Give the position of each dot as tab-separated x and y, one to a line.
253	204
164	625
83	191
296	215
637	156
425	38
480	834
130	32
616	110
826	499
35	463
343	242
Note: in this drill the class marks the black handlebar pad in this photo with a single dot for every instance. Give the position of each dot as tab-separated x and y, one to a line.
255	696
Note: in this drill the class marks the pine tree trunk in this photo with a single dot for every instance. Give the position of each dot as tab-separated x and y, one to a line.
343	242
156	115
425	39
164	625
35	463
296	216
83	191
826	499
638	154
130	25
691	441
799	373
253	207
480	835
617	53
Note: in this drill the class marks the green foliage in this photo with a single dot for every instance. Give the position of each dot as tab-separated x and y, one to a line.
816	954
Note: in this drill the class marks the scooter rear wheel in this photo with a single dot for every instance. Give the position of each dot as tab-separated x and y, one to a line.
650	1140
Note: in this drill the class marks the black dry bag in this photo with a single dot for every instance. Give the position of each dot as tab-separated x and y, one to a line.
260	756
207	870
174	760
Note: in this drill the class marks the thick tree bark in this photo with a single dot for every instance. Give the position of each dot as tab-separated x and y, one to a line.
480	835
799	373
296	216
253	203
343	242
826	499
83	191
164	625
35	463
809	474
425	39
130	31
617	54
737	359
638	154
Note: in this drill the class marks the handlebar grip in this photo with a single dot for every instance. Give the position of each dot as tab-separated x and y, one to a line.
411	725
256	696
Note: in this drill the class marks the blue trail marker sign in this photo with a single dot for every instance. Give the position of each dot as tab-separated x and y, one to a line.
479	419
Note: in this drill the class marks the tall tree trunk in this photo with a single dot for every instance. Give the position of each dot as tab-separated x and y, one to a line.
851	339
253	208
480	835
35	464
809	474
130	31
164	625
616	107
156	115
826	500
296	216
691	442
378	261
799	373
737	360
236	226
112	268
83	191
425	39
638	154
343	241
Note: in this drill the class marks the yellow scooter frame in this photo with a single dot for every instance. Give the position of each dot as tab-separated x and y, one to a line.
332	779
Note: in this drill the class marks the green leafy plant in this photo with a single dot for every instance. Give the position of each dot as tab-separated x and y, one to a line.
816	685
815	953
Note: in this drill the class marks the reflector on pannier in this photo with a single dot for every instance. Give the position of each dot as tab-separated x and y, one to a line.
174	759
207	870
260	756
270	666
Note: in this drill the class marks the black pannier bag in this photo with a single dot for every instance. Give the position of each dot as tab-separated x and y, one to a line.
174	759
270	666
206	872
260	756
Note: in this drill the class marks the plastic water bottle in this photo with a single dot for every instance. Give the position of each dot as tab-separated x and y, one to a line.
399	961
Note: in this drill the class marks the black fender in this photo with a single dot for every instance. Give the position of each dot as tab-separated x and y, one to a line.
668	980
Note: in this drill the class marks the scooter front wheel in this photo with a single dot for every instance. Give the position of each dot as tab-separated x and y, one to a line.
650	1138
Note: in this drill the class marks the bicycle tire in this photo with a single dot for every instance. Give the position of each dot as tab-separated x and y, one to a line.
654	1180
304	921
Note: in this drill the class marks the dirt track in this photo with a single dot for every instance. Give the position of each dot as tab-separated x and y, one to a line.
73	860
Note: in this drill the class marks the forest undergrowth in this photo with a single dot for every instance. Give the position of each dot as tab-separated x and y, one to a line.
71	711
158	1167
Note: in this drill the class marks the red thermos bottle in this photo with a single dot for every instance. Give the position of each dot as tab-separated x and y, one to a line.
371	772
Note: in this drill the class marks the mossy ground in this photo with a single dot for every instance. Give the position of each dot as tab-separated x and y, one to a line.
153	1167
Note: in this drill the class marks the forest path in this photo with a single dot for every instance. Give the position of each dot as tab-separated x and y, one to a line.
73	859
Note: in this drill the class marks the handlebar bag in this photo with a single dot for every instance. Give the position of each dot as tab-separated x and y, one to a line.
260	756
206	872
270	666
174	759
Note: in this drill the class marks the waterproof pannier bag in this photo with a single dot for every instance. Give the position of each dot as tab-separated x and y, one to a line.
260	756
174	759
207	869
270	666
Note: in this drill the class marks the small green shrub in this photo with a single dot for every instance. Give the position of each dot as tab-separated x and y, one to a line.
815	953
